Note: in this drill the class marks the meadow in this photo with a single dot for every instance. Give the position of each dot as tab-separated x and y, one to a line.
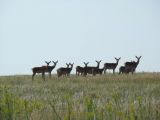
106	97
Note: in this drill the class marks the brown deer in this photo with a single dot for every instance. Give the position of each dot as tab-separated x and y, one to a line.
44	69
50	68
85	68
80	70
90	69
131	66
69	69
62	71
111	66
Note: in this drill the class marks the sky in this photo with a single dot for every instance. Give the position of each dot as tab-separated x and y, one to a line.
34	31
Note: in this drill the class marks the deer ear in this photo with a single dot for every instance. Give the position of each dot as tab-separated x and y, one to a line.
119	58
57	61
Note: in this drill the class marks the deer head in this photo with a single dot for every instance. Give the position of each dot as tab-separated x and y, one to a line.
98	63
117	59
47	63
86	64
55	63
67	65
138	59
71	65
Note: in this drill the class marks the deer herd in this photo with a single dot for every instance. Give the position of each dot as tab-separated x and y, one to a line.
129	67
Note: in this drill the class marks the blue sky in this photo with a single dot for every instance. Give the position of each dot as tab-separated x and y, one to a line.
32	31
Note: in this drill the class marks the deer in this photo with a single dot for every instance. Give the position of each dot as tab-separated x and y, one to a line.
43	69
89	70
50	68
69	69
62	70
111	66
131	66
80	70
85	68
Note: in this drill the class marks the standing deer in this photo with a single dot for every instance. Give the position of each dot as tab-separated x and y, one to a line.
50	68
131	66
62	71
79	70
89	70
85	68
43	69
69	69
111	66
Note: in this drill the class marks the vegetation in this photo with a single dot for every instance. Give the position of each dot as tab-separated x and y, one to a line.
107	97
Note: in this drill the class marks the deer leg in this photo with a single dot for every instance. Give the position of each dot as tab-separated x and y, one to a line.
76	73
105	71
49	75
113	71
119	71
43	76
33	76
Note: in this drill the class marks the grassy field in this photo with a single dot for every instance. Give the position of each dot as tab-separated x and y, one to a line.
107	97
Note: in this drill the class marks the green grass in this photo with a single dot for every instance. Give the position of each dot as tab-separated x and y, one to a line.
107	97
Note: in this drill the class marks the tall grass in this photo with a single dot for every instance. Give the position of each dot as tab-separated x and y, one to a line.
107	97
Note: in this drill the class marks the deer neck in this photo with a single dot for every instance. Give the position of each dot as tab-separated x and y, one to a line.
97	65
137	62
52	67
71	67
117	63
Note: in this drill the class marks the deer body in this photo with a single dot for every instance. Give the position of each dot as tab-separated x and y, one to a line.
111	66
38	70
123	69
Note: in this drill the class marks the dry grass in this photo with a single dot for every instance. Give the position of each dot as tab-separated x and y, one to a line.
118	97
